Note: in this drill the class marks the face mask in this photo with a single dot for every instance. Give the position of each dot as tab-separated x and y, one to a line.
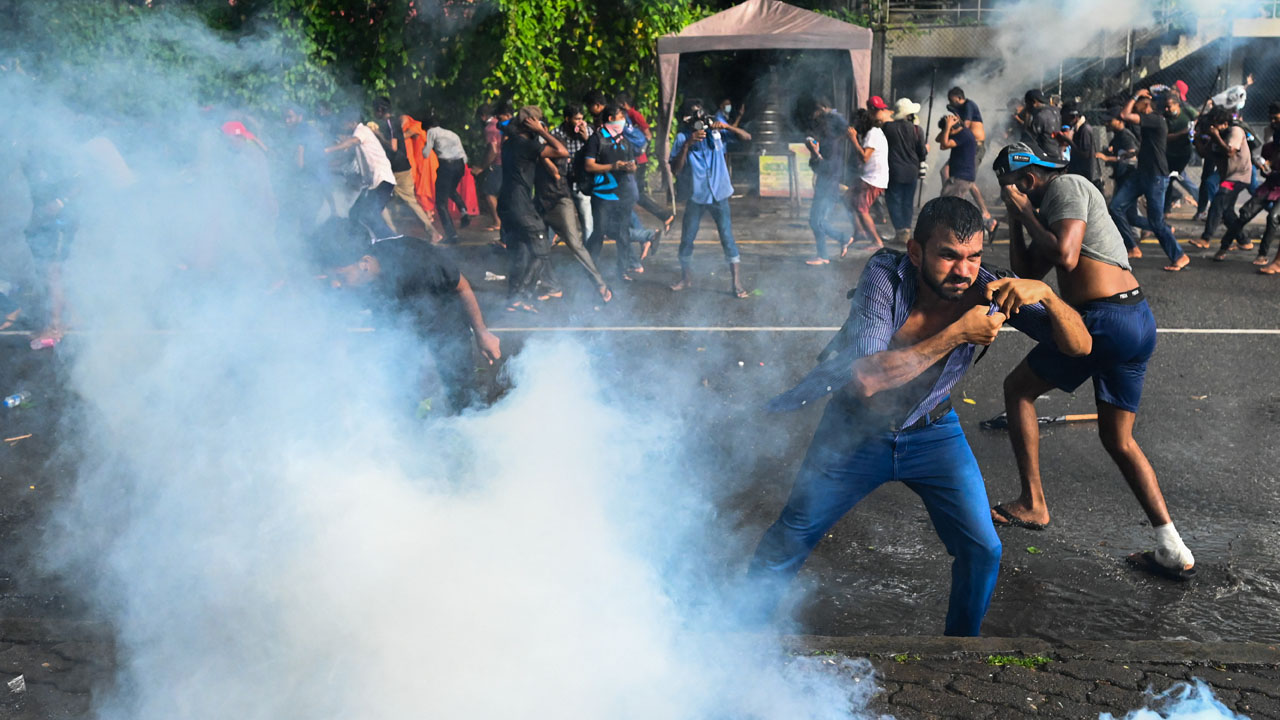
615	127
728	110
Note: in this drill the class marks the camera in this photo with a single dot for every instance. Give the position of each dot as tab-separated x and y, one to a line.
699	120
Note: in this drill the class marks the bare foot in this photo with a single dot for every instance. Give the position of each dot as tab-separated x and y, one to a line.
1244	246
1134	253
1271	268
1179	265
682	285
817	261
1020	514
740	292
1199	243
605	293
1260	260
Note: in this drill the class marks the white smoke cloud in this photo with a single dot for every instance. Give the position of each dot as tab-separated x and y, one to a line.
271	533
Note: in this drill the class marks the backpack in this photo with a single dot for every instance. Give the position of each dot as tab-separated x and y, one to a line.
1255	142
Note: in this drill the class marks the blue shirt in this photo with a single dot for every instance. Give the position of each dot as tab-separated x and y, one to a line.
705	171
884	297
964	156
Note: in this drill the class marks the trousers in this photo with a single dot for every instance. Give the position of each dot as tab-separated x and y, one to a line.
845	463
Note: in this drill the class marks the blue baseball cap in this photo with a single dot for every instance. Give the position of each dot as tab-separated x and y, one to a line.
1017	156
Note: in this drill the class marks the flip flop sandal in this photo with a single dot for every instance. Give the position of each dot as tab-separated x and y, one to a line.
817	261
741	294
1202	244
1147	562
1220	257
1011	520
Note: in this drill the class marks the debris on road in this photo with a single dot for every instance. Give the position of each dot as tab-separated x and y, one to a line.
18	684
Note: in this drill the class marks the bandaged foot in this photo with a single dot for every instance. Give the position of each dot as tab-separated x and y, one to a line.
1171	552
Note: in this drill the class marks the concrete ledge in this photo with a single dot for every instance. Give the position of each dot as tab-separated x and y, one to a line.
1157	651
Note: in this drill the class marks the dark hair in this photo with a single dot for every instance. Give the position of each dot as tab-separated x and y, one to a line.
429	119
686	107
1274	108
593	97
610	110
957	215
573	108
504	108
956	92
382	104
623	98
1218	116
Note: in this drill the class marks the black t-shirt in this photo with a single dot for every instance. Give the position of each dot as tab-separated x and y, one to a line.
1083	161
1152	160
419	282
399	158
549	188
606	150
906	150
1178	150
833	145
520	157
963	161
1125	147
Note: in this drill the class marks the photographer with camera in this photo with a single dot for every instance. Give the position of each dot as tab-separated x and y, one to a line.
702	180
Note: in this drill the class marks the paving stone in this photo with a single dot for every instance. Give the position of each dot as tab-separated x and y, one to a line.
1121	699
994	693
945	704
1239	680
1046	682
1113	673
1257	705
1063	708
915	673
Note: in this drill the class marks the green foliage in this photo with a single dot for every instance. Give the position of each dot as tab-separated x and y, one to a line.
1032	662
448	55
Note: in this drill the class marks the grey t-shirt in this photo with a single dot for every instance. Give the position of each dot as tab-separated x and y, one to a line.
1240	165
1071	197
446	144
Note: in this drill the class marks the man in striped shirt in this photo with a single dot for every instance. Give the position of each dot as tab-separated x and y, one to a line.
915	322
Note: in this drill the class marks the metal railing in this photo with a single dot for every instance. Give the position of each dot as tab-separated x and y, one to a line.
979	12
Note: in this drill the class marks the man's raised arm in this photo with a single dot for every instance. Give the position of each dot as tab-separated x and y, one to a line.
894	368
1028	301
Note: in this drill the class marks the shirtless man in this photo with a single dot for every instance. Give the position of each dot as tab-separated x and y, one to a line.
1060	221
914	325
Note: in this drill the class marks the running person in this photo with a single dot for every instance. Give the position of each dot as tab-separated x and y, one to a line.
1060	221
915	322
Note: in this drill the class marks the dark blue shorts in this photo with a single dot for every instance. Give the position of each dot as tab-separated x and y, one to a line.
1124	337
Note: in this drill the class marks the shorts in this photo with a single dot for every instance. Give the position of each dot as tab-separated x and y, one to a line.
491	181
864	196
1124	338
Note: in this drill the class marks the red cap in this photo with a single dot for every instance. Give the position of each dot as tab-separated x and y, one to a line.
876	103
237	129
1182	89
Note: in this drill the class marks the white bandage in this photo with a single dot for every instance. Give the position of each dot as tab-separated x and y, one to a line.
1170	550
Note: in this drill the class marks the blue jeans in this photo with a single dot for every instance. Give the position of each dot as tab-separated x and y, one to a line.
1124	210
900	197
845	463
724	227
1210	179
1192	189
825	196
367	211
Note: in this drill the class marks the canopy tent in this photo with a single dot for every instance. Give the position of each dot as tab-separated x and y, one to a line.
759	25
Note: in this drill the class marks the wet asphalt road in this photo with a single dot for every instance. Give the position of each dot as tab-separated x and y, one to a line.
1209	411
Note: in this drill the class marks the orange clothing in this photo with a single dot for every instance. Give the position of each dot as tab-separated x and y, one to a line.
424	172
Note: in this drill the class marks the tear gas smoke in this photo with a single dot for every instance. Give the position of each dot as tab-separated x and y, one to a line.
272	536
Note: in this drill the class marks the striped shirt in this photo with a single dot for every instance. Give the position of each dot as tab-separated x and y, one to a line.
884	297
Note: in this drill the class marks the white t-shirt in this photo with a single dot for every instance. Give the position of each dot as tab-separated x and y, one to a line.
876	170
375	168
